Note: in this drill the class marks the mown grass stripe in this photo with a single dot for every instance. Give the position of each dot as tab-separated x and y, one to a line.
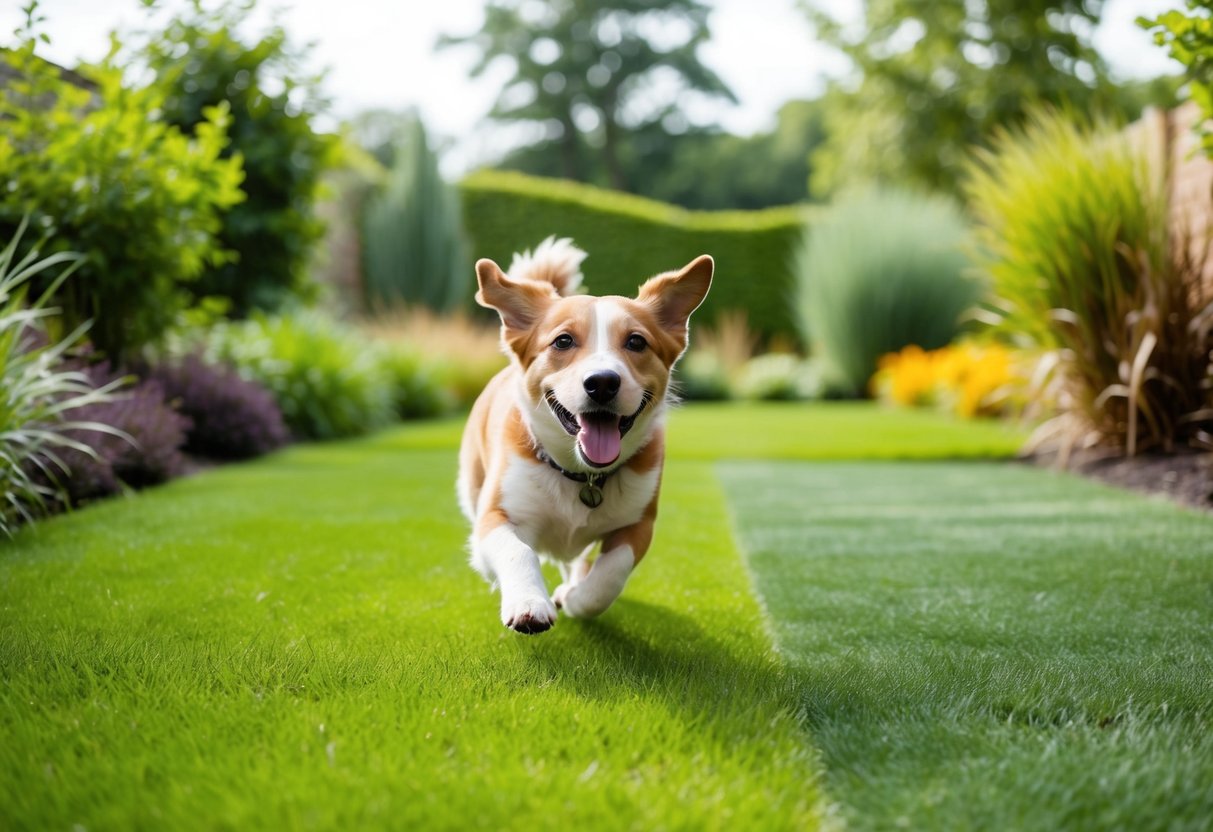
989	646
298	643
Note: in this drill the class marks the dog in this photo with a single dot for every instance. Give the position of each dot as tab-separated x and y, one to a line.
562	453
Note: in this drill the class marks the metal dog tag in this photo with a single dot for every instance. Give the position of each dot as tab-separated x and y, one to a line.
591	495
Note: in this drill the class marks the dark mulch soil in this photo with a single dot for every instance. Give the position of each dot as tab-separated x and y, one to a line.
1185	477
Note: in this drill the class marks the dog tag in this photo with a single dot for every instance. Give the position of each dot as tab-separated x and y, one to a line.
591	495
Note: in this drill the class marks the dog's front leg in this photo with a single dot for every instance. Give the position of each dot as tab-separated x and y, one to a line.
621	551
525	605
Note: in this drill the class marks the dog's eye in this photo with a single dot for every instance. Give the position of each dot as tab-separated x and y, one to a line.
563	342
636	343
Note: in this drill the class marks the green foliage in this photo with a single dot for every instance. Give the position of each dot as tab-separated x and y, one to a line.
327	379
879	271
1076	243
39	394
205	59
587	73
700	376
721	171
778	376
707	170
937	77
100	172
1189	39
416	392
629	239
413	246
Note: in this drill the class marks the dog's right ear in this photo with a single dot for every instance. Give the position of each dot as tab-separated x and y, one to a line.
519	302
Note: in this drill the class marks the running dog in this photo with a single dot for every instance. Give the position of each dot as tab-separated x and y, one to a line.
562	453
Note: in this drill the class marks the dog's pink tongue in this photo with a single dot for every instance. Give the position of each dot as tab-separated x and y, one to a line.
599	439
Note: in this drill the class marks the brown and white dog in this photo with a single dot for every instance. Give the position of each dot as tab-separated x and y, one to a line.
564	448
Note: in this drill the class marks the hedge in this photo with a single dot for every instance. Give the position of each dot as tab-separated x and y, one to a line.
629	239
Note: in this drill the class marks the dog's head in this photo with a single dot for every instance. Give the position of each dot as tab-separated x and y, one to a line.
596	370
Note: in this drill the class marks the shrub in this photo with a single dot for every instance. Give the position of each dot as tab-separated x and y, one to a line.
203	60
881	270
327	379
1075	240
966	379
630	239
413	244
231	418
43	403
102	174
147	453
701	375
453	355
777	377
416	394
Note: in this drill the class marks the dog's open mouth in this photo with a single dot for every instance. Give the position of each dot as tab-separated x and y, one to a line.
599	433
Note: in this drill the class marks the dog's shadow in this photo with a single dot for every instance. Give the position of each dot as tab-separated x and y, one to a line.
645	650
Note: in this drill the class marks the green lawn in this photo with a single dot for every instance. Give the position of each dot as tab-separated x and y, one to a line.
987	646
299	643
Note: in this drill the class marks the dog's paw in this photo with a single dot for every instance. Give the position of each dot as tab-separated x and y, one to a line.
561	594
528	615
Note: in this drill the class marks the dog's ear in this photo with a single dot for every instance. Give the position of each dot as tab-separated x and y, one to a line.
519	302
673	296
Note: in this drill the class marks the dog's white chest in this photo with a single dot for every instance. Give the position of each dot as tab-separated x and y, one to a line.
547	510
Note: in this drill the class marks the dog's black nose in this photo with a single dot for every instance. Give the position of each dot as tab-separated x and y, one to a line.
601	386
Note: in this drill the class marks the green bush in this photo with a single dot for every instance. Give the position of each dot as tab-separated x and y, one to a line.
1076	241
413	245
416	392
777	377
700	375
100	172
328	380
881	270
205	59
39	394
629	239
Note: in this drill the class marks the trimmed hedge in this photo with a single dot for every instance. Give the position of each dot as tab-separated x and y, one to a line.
629	239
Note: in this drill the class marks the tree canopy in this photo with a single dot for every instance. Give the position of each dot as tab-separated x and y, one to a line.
593	77
934	77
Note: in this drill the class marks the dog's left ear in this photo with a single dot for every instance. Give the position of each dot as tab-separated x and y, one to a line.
519	302
673	296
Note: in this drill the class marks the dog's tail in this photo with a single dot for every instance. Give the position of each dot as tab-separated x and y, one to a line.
554	261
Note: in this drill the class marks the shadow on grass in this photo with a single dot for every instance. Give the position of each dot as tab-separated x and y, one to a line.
727	685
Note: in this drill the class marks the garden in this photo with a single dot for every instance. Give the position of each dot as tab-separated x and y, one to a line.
238	350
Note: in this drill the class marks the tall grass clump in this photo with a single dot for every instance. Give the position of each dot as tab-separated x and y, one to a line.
880	270
413	244
38	395
1076	242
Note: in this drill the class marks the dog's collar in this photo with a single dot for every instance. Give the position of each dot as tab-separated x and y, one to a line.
591	494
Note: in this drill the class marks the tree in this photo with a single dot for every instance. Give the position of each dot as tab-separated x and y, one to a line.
936	76
723	171
414	247
592	75
202	59
1188	37
711	170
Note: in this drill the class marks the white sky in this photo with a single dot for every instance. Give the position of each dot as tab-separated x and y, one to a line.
379	53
